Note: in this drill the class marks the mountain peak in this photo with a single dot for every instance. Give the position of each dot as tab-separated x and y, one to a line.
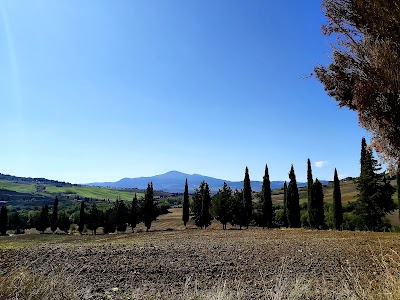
173	172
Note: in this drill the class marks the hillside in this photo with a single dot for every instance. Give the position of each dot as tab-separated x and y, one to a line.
347	187
26	194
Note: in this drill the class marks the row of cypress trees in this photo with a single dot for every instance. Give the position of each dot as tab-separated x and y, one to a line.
226	206
237	207
373	202
54	221
115	218
118	217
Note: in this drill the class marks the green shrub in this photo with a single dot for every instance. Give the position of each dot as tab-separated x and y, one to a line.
304	219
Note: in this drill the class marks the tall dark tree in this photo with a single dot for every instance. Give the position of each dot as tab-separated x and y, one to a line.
149	208
247	198
386	194
110	220
93	219
237	209
82	218
375	193
310	183
16	223
185	206
63	222
3	220
122	215
337	203
364	72
221	203
43	220
365	162
266	201
293	201
316	209
285	214
201	205
134	215
54	215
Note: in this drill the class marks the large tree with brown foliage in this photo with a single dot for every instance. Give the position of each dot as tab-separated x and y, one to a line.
364	74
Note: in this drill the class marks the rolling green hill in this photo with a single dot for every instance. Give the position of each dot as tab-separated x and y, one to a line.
26	194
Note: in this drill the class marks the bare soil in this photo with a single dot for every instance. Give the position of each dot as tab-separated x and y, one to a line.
163	261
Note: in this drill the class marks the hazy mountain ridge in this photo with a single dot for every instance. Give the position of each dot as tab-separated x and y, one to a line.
174	182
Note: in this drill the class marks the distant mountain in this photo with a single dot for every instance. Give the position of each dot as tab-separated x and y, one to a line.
174	182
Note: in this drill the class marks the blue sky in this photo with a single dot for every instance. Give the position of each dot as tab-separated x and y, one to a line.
101	90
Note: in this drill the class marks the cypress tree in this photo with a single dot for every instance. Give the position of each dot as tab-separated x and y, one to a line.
16	223
375	193
247	198
54	215
222	202
312	208
285	216
266	201
293	201
317	217
93	219
386	193
202	205
134	216
3	220
63	222
149	208
82	220
237	209
185	206
363	155
310	183
337	203
43	220
110	220
206	206
122	215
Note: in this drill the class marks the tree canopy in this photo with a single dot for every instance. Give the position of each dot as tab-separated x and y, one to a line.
364	74
375	193
222	205
201	205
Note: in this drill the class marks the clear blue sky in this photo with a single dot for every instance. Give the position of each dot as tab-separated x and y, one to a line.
101	90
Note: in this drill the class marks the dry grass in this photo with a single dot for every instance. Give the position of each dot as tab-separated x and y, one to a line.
248	264
383	284
24	284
